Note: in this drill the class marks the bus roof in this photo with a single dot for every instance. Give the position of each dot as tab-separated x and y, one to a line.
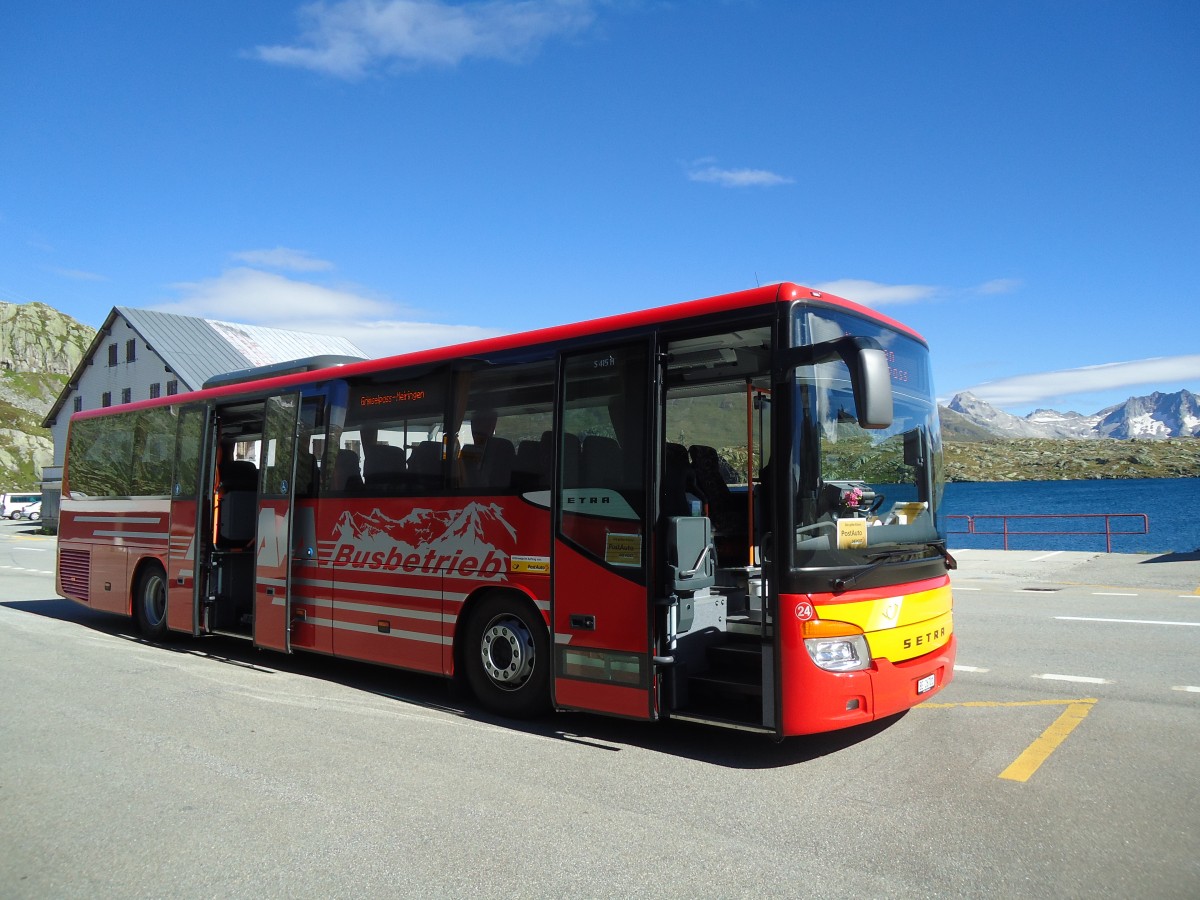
784	292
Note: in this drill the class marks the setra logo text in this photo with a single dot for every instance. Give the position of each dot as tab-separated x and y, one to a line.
923	639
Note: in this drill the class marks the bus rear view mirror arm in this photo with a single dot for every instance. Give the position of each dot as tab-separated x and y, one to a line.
870	374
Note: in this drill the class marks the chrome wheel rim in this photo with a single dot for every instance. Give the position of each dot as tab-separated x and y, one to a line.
154	599
507	652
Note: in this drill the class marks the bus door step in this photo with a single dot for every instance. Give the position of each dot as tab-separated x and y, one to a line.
731	685
726	684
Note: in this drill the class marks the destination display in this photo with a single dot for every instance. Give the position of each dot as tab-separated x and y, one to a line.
397	400
908	360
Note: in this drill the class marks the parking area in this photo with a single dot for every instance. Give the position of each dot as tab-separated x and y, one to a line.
1061	760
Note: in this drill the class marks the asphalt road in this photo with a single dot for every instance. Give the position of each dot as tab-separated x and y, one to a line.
206	768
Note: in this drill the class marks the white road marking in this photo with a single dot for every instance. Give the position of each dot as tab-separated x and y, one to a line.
1080	679
1047	556
1125	621
1104	594
958	668
1187	688
959	587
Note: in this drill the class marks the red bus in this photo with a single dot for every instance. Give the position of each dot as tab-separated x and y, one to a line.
725	511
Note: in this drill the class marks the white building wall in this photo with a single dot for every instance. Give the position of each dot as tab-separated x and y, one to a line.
98	378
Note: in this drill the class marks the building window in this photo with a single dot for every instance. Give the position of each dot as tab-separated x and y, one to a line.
172	388
112	354
130	350
126	395
106	399
78	404
155	390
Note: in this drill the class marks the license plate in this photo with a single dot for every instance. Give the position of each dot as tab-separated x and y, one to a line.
926	684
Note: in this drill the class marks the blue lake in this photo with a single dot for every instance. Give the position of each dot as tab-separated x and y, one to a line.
1172	506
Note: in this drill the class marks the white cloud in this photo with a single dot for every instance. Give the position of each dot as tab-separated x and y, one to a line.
874	294
712	174
348	38
79	275
284	258
254	297
999	286
1042	386
244	294
391	337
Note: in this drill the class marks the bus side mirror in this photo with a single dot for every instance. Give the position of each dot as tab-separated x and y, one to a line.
872	380
870	375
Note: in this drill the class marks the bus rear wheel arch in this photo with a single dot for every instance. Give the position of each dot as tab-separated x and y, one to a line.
150	601
506	655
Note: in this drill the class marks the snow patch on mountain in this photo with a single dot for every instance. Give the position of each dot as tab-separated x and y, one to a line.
1157	416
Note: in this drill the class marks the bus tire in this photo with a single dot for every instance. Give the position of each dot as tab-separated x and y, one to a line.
507	657
150	602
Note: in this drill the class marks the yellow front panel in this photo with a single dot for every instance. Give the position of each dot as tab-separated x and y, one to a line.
890	612
900	627
909	641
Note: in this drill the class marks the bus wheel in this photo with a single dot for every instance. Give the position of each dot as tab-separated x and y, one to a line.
507	657
150	603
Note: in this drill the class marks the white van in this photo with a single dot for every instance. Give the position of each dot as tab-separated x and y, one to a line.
11	504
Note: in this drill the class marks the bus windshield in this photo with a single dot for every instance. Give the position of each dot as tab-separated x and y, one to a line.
863	495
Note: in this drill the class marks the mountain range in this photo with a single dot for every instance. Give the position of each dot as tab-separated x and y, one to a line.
1157	416
40	347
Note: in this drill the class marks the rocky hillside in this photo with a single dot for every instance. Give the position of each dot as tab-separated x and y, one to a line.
1042	459
39	348
37	338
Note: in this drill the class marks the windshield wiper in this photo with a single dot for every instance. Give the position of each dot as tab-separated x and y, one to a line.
940	547
884	556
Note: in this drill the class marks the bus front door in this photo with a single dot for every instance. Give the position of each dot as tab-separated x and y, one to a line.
276	504
188	551
601	610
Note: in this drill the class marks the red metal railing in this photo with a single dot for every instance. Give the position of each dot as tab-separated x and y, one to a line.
1005	532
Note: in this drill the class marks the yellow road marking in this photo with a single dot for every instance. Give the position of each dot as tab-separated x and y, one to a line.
1039	751
996	703
1023	767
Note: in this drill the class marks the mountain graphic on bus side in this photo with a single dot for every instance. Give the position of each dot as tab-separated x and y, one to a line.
474	538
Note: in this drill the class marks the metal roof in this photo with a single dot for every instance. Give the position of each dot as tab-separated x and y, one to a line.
197	349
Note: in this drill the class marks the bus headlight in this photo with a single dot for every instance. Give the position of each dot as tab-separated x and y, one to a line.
836	646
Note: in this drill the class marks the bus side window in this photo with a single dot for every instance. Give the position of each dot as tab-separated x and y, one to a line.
389	422
602	505
506	410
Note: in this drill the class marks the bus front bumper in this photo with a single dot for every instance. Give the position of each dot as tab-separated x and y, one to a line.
816	701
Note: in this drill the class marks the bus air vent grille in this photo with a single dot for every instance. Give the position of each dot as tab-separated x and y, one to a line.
74	568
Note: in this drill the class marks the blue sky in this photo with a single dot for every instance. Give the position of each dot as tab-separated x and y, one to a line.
1019	181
